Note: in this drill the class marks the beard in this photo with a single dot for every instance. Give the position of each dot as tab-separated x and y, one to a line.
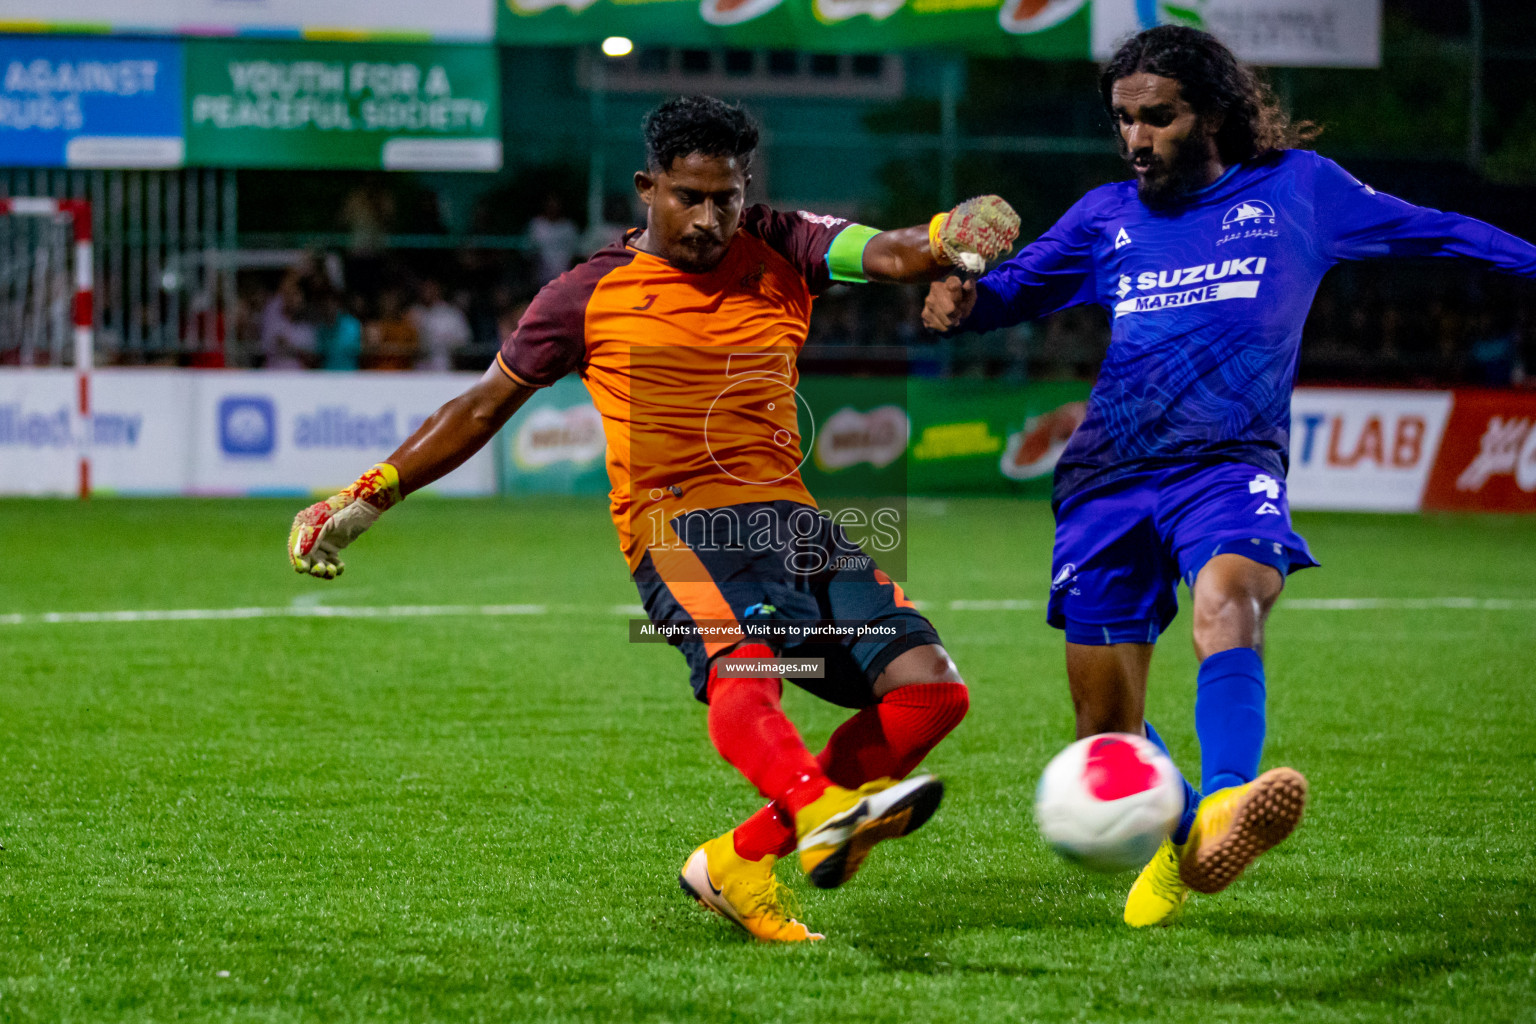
697	254
1169	183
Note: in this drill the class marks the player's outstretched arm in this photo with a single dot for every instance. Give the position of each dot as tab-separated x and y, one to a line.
441	444
970	236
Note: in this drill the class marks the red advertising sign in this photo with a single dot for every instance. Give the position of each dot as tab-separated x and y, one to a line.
1487	461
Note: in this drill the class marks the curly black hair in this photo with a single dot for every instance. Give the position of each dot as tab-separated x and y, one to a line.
1212	81
698	124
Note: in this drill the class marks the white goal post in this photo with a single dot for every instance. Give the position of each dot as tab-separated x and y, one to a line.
76	213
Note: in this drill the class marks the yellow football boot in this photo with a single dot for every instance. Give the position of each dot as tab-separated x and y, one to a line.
839	828
744	892
1234	826
1159	892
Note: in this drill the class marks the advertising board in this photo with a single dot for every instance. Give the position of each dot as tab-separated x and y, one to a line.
1343	33
555	444
396	107
90	103
1487	462
1283	33
233	432
457	20
219	432
1364	450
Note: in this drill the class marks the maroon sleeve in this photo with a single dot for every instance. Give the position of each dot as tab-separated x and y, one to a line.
551	338
801	238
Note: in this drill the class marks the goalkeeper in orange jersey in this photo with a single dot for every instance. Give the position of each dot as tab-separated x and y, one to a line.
686	335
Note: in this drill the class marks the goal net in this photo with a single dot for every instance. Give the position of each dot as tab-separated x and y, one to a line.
46	295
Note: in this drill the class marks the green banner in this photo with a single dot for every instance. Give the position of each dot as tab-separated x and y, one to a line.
395	106
940	436
1043	29
867	437
554	445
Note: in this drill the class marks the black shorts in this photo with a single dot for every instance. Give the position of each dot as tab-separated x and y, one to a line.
783	574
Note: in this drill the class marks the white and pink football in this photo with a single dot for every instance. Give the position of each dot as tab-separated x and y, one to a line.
1108	801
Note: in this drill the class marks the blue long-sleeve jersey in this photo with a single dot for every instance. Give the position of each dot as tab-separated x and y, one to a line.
1207	302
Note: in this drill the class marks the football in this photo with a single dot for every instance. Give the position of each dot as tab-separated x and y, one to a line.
1107	801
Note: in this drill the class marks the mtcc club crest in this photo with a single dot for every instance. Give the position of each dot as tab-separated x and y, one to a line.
1249	213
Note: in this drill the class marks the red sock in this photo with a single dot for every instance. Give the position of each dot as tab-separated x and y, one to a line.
887	740
751	731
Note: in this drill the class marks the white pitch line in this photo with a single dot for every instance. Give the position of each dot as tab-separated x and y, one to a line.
397	611
1010	605
1352	604
419	611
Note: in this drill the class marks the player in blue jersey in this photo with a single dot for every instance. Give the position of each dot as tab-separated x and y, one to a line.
1206	264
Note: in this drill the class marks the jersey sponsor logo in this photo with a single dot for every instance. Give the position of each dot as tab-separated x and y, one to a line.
1192	297
1122	239
1267	509
650	300
1147	280
1181	279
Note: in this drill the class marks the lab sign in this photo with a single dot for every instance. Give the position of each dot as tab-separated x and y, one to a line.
1365	450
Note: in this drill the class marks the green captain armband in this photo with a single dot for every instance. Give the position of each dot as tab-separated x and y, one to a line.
845	260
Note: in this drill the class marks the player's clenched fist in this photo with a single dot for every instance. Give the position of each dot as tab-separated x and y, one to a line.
949	302
322	530
974	233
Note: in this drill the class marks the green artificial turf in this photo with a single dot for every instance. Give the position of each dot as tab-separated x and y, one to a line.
468	818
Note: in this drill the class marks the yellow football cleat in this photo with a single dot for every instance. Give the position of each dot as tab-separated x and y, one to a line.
1234	826
839	828
1159	892
744	892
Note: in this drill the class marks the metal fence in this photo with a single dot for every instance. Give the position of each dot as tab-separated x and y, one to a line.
165	286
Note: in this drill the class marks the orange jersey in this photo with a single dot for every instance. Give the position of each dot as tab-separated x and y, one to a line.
694	374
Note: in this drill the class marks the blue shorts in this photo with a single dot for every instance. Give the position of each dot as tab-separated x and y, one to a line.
1122	547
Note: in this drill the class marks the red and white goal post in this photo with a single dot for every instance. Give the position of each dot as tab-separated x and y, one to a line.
76	212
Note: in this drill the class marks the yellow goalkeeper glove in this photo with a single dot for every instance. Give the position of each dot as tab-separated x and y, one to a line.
974	233
322	530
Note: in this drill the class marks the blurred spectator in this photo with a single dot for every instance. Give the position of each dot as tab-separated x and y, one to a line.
368	213
617	219
391	341
555	238
441	326
287	341
338	335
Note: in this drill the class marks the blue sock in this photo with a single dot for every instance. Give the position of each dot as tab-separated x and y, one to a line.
1191	796
1229	718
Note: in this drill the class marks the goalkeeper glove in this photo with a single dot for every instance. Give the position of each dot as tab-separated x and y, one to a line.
975	232
322	530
